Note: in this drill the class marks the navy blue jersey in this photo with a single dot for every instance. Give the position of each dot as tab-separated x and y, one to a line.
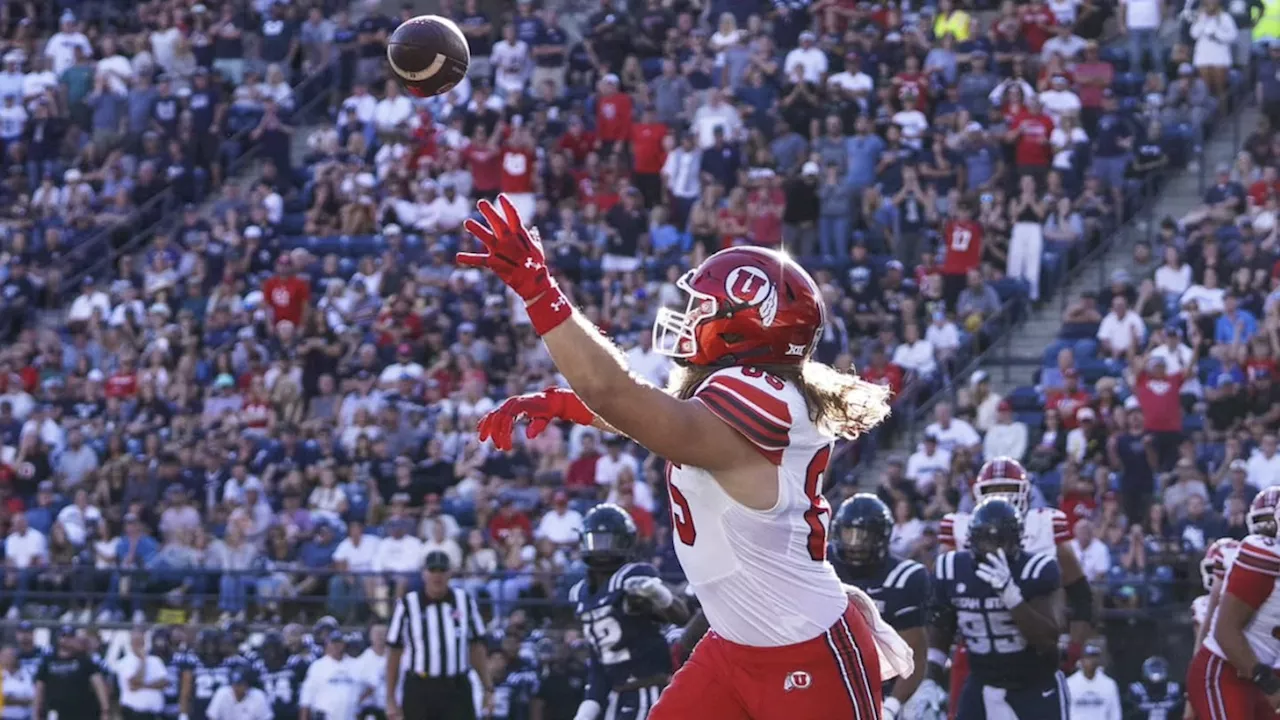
1153	702
283	685
625	645
999	654
206	678
899	587
172	691
30	660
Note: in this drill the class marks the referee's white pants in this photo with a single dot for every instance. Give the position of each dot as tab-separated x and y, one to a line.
631	704
1026	245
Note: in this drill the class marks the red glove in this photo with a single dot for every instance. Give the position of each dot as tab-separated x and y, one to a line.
539	408
515	254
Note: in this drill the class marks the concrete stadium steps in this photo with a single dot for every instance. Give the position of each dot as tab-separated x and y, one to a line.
1025	345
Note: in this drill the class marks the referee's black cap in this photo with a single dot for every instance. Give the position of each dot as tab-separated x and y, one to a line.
437	561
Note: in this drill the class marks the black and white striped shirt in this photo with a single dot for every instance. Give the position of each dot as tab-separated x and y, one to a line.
436	635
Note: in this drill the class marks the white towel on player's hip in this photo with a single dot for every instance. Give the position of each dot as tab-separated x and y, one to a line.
896	658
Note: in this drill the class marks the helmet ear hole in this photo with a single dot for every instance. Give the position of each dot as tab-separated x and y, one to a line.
732	338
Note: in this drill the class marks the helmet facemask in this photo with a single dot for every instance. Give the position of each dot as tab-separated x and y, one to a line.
860	546
1262	522
1017	494
675	334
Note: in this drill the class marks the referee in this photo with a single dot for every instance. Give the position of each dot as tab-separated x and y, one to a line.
441	632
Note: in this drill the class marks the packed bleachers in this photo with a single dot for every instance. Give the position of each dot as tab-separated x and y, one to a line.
234	397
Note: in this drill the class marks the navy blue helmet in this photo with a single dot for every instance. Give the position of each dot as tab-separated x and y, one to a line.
209	645
608	536
1155	670
861	530
162	641
996	525
273	650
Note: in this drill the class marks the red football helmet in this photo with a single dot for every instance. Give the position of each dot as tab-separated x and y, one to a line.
746	305
1214	564
1004	477
1261	519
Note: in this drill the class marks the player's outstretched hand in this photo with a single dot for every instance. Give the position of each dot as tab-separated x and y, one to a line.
539	408
513	252
994	571
651	589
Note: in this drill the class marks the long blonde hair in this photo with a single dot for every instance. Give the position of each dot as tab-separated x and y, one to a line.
841	403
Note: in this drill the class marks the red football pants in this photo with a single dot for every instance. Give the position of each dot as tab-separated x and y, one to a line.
1217	692
831	677
959	673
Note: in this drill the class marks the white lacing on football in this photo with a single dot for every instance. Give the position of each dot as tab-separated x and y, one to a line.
426	73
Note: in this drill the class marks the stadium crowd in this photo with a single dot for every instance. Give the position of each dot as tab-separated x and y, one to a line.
268	412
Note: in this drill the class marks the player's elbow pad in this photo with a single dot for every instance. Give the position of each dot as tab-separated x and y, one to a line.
1080	601
588	710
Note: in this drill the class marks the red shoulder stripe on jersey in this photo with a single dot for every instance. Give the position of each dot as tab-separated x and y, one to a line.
1250	585
1264	563
769	433
770	442
769	404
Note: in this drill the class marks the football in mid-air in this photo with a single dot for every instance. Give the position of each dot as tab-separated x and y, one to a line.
429	55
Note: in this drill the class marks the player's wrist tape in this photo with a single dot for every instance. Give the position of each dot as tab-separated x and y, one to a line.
892	708
1011	595
549	310
1265	679
937	657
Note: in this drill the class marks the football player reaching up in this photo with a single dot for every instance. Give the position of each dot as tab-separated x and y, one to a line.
747	430
1044	530
899	587
1005	603
624	608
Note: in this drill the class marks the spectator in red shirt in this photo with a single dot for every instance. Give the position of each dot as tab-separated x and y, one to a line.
649	151
577	141
1029	131
288	294
882	372
613	114
962	251
123	383
580	478
485	163
1159	395
1069	399
765	202
519	163
508	518
1036	24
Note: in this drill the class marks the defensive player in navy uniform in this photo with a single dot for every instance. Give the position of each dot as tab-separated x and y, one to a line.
1155	696
203	672
162	646
624	607
1007	606
280	675
860	534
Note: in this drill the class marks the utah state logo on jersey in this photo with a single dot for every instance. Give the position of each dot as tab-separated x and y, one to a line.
999	654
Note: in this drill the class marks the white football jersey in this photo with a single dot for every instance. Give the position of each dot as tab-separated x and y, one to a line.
1251	576
1043	530
761	576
